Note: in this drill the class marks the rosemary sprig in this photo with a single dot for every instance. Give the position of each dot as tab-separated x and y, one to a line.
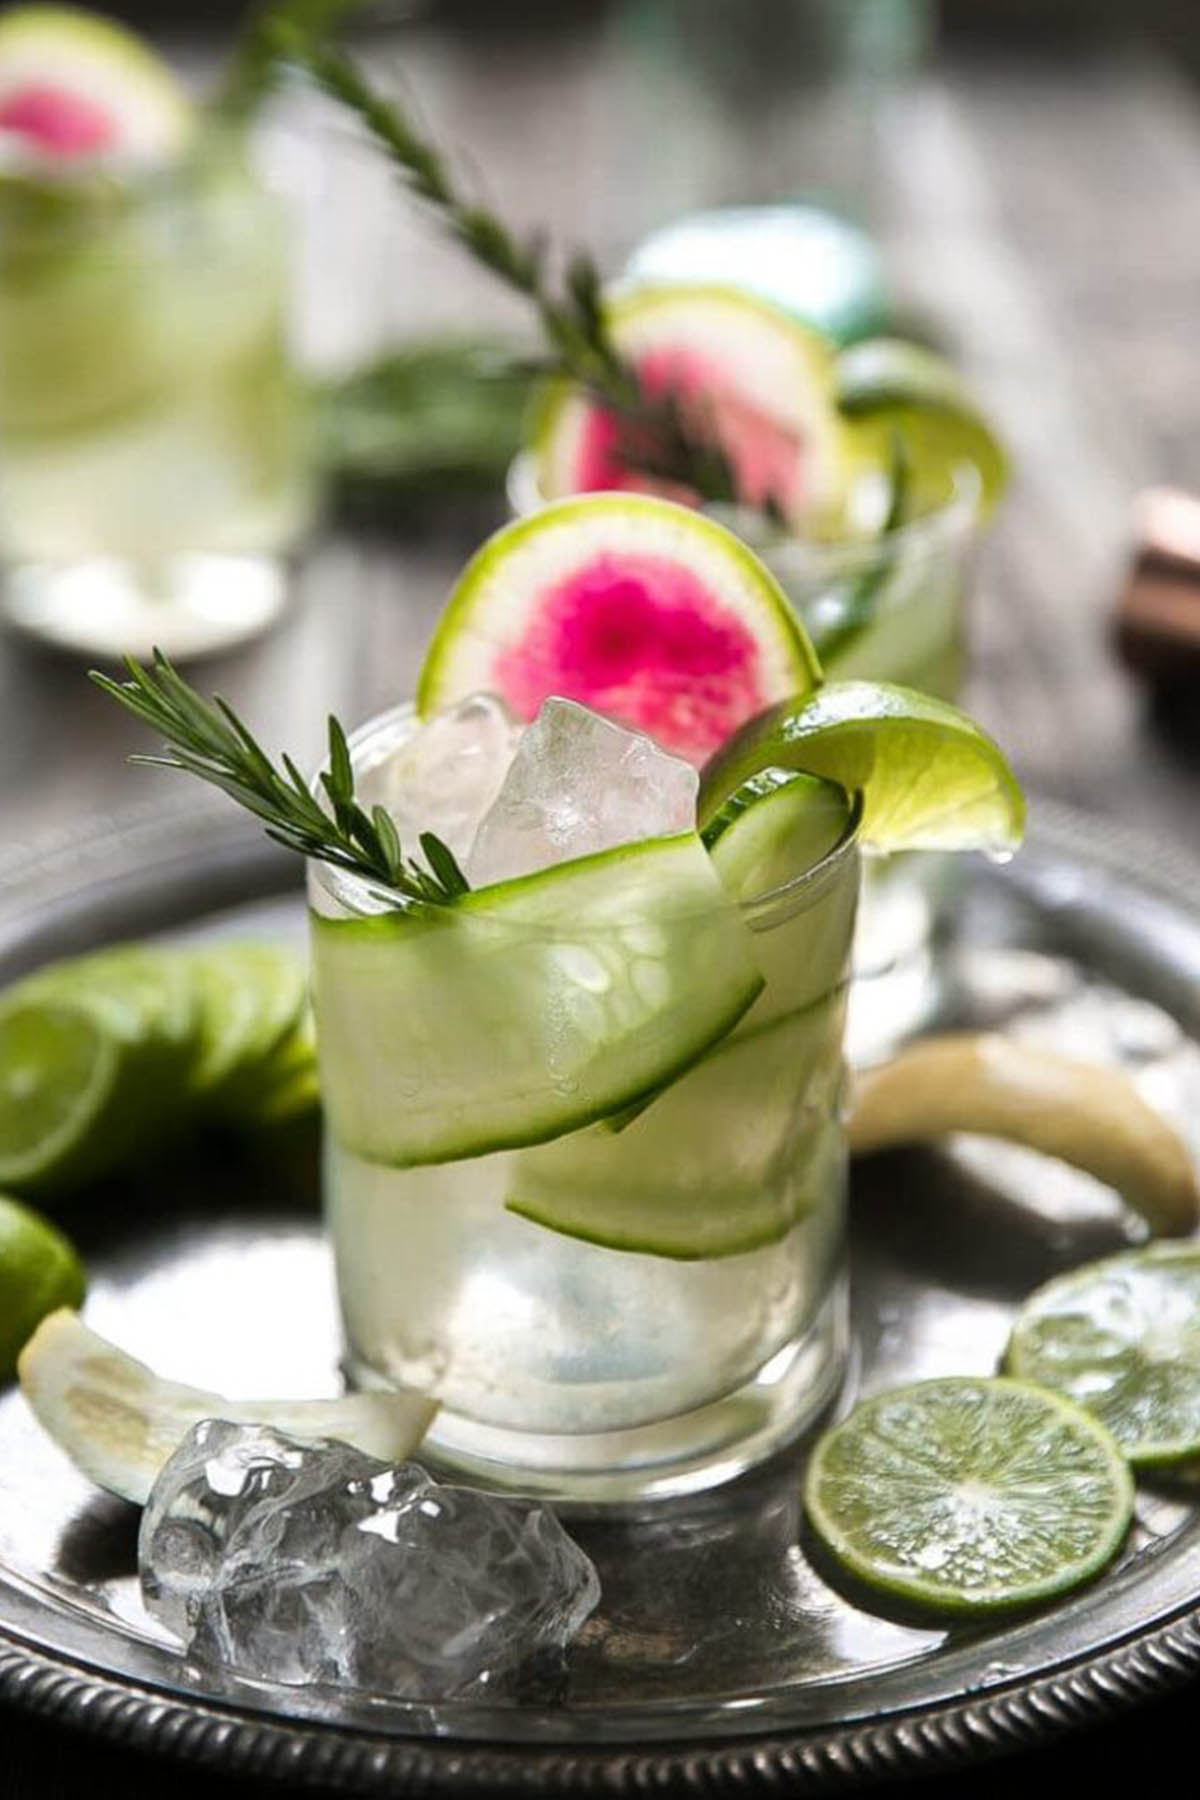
207	739
656	435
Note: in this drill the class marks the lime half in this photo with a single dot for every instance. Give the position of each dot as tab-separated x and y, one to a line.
39	1271
929	777
1122	1337
970	1495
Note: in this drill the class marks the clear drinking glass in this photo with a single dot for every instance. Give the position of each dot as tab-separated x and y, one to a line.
573	1367
152	456
885	607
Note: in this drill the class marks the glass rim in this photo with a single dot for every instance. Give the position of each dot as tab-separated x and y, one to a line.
960	510
792	894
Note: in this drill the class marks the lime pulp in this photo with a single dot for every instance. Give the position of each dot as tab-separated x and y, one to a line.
1122	1338
970	1495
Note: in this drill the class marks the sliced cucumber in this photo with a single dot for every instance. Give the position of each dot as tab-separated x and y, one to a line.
727	1159
774	828
530	1008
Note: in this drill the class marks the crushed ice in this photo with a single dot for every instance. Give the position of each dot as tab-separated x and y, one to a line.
312	1563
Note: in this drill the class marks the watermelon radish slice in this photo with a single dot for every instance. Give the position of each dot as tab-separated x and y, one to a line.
75	88
742	370
645	611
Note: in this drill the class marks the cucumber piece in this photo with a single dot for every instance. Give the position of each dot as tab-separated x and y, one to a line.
527	1009
726	1160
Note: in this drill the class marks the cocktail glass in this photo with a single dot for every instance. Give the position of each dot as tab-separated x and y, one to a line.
594	1371
152	460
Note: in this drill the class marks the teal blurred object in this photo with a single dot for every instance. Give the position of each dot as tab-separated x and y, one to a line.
820	268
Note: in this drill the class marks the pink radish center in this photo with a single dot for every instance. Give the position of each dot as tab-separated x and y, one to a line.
57	121
766	457
645	641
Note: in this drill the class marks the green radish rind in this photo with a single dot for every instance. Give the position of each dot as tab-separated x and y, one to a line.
858	1478
528	1009
930	779
798	392
75	49
497	596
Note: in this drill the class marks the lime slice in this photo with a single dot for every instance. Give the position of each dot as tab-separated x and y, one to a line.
144	997
929	777
60	1083
970	1495
529	1008
1086	1114
119	1422
285	1085
647	612
39	1271
250	997
887	385
1122	1337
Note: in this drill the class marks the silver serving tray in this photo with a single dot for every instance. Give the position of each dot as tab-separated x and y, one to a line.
725	1656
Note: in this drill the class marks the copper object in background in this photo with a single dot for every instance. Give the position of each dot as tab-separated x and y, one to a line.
1158	615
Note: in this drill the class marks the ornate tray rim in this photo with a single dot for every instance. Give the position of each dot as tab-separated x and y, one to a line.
106	869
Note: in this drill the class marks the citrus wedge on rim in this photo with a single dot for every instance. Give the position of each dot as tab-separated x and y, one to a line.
969	1494
1122	1338
645	611
929	777
742	371
119	1422
887	386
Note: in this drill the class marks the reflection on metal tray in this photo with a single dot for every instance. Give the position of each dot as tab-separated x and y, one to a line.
723	1654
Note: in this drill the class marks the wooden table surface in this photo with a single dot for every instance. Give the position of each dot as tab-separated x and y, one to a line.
1046	217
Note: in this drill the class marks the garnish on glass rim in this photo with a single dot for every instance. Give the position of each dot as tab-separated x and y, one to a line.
207	739
657	437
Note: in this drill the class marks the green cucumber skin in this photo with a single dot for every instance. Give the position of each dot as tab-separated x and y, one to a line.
438	1029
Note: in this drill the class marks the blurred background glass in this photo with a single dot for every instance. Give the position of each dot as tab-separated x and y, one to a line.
151	460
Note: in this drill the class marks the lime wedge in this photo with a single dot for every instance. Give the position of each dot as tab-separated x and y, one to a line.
59	1088
39	1271
887	386
929	777
119	1422
1122	1337
970	1495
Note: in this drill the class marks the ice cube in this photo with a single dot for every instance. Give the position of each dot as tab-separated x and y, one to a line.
445	775
579	784
314	1563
